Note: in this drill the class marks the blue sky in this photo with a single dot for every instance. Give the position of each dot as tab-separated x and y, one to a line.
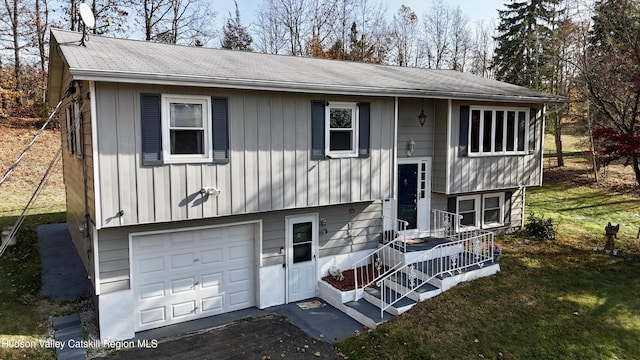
476	10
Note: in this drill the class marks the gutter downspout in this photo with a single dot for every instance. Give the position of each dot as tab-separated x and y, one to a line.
395	156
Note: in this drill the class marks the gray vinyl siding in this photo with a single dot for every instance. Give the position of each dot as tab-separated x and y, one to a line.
409	127
269	167
347	231
485	173
77	174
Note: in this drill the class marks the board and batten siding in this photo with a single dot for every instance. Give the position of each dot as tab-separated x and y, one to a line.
484	173
269	159
349	228
78	173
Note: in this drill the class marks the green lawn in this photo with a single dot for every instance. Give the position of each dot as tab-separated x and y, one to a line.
552	300
24	317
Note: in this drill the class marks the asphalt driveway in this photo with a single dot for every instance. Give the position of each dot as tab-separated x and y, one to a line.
270	336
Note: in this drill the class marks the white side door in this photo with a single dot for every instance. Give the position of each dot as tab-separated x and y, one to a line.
302	248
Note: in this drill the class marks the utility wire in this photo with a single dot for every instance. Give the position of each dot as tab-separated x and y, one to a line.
24	152
20	220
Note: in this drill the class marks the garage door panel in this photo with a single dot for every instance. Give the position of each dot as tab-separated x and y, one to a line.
240	275
239	252
154	290
187	308
182	261
212	280
189	275
179	286
153	316
151	265
239	299
213	305
212	257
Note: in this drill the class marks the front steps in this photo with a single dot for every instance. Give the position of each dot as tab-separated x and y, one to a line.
364	306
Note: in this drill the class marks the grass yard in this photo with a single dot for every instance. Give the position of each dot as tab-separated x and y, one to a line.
24	314
552	300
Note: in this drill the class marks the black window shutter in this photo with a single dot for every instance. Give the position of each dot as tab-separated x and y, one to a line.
365	130
317	130
151	129
532	129
452	205
220	129
463	149
507	207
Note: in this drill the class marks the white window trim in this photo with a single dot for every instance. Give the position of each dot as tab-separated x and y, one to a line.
478	204
77	129
504	151
69	114
501	204
354	128
479	210
169	158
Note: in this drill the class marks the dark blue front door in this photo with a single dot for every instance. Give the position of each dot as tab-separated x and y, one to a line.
408	194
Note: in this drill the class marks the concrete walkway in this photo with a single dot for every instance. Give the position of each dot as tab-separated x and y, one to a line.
63	275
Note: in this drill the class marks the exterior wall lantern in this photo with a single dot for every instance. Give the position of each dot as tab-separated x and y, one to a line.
422	117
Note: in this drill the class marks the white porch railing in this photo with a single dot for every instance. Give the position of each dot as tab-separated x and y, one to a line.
469	248
445	224
384	260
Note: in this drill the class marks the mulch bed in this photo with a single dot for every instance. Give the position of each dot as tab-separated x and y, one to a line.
348	283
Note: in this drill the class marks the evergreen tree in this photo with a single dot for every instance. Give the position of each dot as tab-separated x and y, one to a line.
236	36
524	33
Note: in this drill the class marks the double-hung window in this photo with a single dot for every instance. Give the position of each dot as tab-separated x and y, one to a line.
186	127
74	128
498	131
341	129
481	211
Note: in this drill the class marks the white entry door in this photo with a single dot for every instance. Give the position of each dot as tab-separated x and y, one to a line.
302	247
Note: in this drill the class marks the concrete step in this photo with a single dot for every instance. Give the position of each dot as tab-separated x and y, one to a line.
69	328
422	293
367	313
373	296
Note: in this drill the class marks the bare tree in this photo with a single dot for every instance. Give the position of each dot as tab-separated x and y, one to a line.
437	24
482	50
459	39
14	21
41	24
405	23
271	34
293	15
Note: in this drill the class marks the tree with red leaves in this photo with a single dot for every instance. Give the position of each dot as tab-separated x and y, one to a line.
611	73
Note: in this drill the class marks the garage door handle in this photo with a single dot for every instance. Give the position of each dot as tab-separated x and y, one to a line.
196	259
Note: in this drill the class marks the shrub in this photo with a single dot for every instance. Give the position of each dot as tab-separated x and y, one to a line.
540	228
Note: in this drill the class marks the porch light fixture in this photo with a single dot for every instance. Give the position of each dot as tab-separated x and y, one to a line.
411	146
422	117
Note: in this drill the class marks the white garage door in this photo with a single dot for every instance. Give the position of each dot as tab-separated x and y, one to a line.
188	275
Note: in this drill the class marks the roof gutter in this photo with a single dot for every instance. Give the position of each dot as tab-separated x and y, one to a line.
201	81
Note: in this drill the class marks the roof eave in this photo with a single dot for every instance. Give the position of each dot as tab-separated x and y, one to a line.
265	85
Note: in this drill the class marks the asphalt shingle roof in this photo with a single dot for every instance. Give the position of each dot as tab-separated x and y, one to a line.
111	59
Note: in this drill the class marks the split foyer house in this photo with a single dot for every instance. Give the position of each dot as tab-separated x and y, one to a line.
202	181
